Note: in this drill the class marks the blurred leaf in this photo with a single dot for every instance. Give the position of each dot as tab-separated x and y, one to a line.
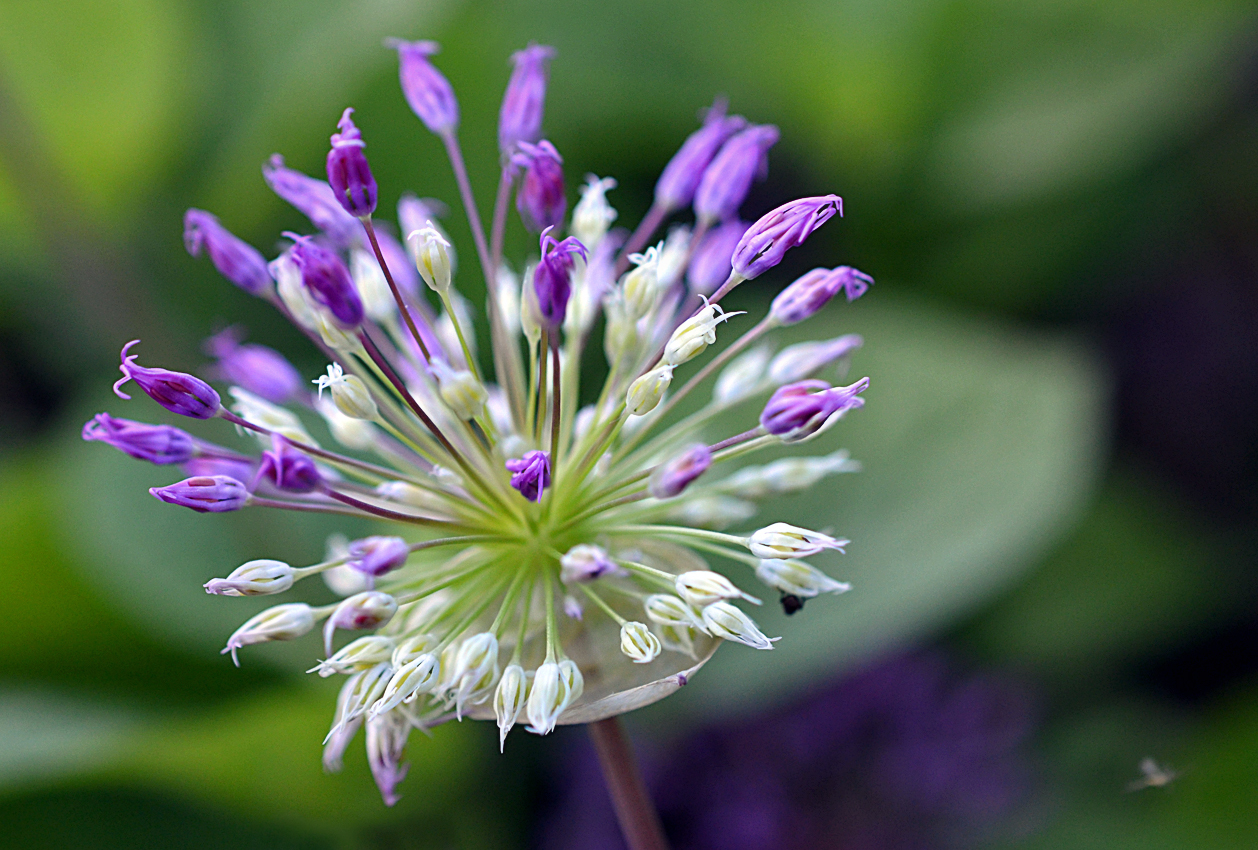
44	736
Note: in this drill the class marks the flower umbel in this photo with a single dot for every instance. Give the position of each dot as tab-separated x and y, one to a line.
543	557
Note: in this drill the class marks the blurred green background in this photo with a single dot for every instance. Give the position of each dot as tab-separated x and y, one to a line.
1059	202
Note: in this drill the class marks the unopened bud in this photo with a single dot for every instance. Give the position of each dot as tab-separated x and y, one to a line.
465	395
235	259
358	654
676	474
282	622
349	175
712	511
784	541
807	295
205	494
641	284
160	444
418	676
367	610
703	587
178	392
740	378
431	250
540	199
646	392
695	334
766	242
726	621
349	393
377	555
798	578
592	216
426	89
637	642
509	700
804	359
255	578
669	610
585	563
520	119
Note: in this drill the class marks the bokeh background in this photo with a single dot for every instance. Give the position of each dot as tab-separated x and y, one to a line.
1054	554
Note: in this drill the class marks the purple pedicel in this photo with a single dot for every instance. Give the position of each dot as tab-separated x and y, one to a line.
520	119
328	281
349	175
797	411
205	494
531	474
377	555
680	178
807	295
287	468
540	198
178	392
314	199
710	265
675	475
427	91
400	265
160	444
727	180
552	279
235	259
261	370
767	241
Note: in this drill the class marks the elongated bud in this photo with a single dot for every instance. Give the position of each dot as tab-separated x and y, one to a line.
315	199
585	563
787	475
641	285
235	259
592	216
784	541
800	411
710	265
694	335
341	733
178	392
386	746
806	296
805	359
349	175
552	278
417	213
798	578
680	178
377	555
412	648
160	444
349	393
766	242
520	119
669	610
509	699
417	676
372	287
465	395
741	377
259	369
367	610
646	392
712	511
475	669
282	622
540	199
701	588
358	654
255	578
724	620
300	306
350	432
530	474
676	474
727	179
427	91
362	691
638	643
205	494
289	469
327	280
431	251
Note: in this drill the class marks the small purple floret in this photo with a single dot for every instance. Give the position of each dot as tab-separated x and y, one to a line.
677	183
349	175
710	265
178	392
765	244
531	474
314	199
386	745
552	279
520	119
676	474
540	198
259	369
426	89
727	180
205	494
235	259
288	469
328	281
807	295
798	411
377	555
159	444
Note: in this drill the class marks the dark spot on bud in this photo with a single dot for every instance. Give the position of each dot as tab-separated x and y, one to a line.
791	603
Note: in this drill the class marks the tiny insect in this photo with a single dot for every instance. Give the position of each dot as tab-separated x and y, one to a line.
791	603
1155	776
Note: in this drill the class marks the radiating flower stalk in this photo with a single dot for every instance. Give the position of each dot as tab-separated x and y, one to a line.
546	555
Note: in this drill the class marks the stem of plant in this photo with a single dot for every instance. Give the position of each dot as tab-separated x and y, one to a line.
639	822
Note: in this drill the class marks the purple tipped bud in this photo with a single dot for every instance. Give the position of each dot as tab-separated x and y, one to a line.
328	281
807	295
386	745
586	562
235	259
767	241
261	370
205	494
288	469
800	410
727	179
367	610
680	178
375	556
155	443
349	175
552	279
675	475
521	117
540	198
176	391
803	359
315	199
427	91
710	265
531	474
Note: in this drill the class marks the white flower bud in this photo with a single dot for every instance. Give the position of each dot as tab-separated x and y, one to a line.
333	335
798	578
372	286
255	578
282	622
787	475
640	286
475	669
726	621
673	256
530	313
431	252
741	377
704	587
637	642
349	432
548	697
572	680
261	412
646	392
714	512
413	647
677	639
804	359
367	610
782	541
417	676
363	690
509	699
592	215
509	299
365	652
341	733
695	334
621	340
669	610
293	292
465	395
349	393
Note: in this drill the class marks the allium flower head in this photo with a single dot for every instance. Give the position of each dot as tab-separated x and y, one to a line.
543	556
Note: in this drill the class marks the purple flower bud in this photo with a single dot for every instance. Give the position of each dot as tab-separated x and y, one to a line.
155	443
767	241
807	295
800	410
176	391
367	610
531	474
426	90
680	178
328	281
675	475
287	468
710	265
727	179
585	563
259	369
377	555
205	493
315	199
521	117
803	359
235	259
540	198
552	279
386	745
349	175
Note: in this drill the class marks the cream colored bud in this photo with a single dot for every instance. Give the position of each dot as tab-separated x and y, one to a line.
417	676
255	578
673	256
509	299
712	511
646	392
788	475
669	610
530	312
413	647
704	587
349	393
726	621
621	339
475	669
363	690
592	215
356	655
637	642
460	390
547	699
640	286
509	700
333	335
695	334
349	432
372	286
741	378
676	639
782	540
431	252
798	578
281	622
293	292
